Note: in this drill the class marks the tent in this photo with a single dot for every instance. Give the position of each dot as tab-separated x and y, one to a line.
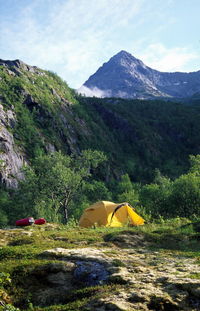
109	214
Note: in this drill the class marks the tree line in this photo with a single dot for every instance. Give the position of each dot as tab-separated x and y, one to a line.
59	187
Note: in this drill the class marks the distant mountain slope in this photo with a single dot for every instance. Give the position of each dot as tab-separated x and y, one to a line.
39	114
128	77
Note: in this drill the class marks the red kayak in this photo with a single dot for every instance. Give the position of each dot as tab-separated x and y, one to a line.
40	221
25	221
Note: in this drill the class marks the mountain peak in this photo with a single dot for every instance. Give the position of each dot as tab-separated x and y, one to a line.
122	53
125	56
126	76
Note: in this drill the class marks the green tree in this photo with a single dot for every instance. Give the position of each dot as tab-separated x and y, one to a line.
91	192
125	184
195	164
127	191
53	181
155	197
96	191
185	196
5	202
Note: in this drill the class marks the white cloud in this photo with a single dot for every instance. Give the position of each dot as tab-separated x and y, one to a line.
159	57
95	91
72	38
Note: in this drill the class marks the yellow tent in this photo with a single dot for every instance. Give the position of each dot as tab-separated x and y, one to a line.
109	214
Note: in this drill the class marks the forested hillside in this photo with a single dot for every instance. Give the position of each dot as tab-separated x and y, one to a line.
109	146
144	135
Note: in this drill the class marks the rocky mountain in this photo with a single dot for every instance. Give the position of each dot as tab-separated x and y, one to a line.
39	113
128	77
34	107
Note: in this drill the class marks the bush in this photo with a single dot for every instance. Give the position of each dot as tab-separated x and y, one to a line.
185	197
3	219
8	307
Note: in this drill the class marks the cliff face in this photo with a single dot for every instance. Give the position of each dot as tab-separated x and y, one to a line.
12	158
35	115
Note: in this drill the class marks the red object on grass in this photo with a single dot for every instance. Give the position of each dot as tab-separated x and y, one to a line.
40	221
25	221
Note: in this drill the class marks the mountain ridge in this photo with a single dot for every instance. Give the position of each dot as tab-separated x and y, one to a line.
126	76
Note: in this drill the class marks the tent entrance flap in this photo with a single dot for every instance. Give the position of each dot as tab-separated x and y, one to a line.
115	213
135	218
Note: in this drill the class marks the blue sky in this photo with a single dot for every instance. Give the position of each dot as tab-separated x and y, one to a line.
75	37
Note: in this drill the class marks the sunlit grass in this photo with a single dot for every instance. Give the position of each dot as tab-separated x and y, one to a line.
23	251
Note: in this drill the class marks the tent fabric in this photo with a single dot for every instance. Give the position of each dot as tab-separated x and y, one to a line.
109	214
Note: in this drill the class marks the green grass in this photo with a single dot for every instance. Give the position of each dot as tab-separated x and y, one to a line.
73	306
22	253
194	276
79	298
118	263
172	236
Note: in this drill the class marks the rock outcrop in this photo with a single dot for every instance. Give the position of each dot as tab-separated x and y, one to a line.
148	279
11	156
108	275
15	67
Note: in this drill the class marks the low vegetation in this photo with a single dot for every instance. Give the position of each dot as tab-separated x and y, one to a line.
21	251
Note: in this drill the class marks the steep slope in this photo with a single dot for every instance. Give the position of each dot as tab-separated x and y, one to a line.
39	113
140	135
35	117
128	77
